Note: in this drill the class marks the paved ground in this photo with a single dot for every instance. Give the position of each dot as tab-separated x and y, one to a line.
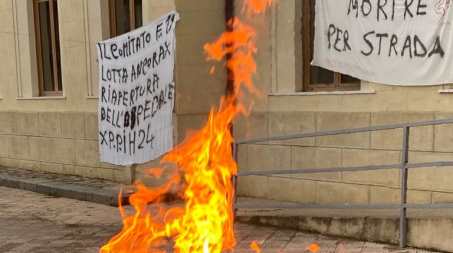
35	223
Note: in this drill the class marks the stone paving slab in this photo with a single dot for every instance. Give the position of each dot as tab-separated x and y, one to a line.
36	223
87	189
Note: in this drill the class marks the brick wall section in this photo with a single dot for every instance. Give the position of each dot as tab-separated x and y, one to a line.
427	185
60	142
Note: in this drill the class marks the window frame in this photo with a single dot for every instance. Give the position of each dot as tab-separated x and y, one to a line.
55	48
308	20
112	17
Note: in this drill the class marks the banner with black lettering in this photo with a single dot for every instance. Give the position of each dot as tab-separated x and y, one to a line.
136	93
397	42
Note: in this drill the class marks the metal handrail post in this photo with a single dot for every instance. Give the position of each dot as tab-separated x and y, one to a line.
404	175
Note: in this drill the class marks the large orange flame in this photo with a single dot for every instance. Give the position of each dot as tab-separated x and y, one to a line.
203	167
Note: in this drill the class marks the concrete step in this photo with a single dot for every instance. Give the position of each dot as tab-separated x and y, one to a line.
427	229
67	186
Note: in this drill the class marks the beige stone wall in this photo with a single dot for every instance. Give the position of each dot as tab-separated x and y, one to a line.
81	24
59	134
58	142
283	109
427	144
196	90
55	134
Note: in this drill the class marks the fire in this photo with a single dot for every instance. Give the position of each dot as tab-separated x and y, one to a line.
256	6
313	248
255	247
203	167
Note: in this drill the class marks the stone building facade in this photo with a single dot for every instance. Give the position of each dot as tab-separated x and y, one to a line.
290	106
50	127
54	128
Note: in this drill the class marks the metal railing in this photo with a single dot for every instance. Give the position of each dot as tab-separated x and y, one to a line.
403	166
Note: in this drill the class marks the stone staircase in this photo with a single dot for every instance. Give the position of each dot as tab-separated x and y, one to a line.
427	229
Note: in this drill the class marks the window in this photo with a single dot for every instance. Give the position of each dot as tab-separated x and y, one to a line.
125	15
47	47
317	78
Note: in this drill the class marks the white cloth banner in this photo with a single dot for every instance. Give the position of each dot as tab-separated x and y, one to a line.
399	42
136	93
